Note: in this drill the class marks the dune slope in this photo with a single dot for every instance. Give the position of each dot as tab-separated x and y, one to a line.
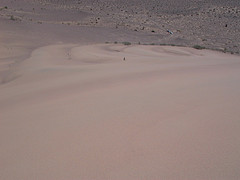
83	112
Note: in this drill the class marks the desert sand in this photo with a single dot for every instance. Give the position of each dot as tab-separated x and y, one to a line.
78	104
72	111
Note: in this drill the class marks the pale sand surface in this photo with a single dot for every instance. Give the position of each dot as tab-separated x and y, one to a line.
73	112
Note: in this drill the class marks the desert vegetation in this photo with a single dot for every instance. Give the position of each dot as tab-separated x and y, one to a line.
126	43
190	23
198	47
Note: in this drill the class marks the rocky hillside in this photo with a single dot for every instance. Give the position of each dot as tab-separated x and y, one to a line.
213	24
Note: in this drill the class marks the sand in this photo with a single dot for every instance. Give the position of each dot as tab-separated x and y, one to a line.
81	112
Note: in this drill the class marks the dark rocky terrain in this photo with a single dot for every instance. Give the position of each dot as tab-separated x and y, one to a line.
213	24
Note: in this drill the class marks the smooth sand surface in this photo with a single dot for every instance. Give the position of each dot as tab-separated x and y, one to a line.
73	112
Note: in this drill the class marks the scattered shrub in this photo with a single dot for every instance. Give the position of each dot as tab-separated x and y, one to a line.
13	18
126	43
198	47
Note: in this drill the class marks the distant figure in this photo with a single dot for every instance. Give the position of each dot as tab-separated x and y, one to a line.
69	57
170	32
124	58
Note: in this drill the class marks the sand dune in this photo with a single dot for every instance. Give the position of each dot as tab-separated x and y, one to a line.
82	112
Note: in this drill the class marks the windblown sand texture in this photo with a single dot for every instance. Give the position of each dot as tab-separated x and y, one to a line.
73	107
82	112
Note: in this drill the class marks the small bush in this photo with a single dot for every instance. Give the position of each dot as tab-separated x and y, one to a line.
13	18
198	47
126	43
115	42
